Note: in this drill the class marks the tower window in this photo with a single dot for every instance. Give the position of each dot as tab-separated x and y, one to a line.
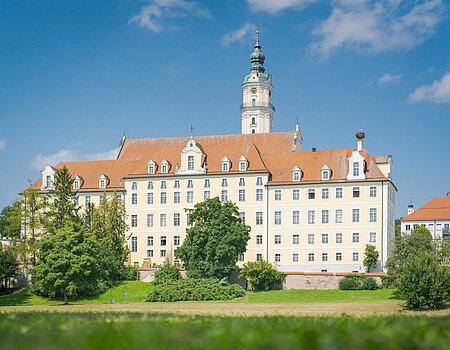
253	121
253	102
253	131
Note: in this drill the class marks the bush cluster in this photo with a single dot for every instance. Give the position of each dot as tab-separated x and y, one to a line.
262	275
167	273
191	289
128	273
357	282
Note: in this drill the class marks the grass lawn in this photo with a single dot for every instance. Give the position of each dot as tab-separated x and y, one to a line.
34	330
137	292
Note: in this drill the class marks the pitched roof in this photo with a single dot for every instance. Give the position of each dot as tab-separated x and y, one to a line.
436	209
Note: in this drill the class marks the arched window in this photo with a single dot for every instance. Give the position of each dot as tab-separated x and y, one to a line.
253	102
190	162
253	121
253	131
355	168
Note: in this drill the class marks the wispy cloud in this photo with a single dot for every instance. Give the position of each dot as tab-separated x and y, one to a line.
68	155
153	15
437	92
276	6
389	78
241	34
377	26
2	144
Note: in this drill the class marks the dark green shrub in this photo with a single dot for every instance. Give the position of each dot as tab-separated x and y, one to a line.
424	282
167	273
128	273
388	282
357	282
190	289
262	275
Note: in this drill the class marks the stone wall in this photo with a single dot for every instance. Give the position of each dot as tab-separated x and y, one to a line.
319	280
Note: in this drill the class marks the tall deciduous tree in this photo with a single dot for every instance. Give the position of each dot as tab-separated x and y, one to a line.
108	227
69	264
218	236
11	220
8	266
370	257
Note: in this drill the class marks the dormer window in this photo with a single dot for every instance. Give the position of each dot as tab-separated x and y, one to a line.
355	168
296	174
164	167
190	163
151	167
76	184
226	165
243	164
326	172
48	181
102	183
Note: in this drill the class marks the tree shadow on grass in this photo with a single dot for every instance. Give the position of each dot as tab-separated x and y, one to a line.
18	298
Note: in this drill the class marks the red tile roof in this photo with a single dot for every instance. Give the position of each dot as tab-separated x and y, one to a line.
436	209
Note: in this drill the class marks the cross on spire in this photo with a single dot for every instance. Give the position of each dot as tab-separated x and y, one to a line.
192	131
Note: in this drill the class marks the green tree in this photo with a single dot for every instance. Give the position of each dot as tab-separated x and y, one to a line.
215	240
68	264
262	275
370	257
8	266
11	220
108	227
424	282
167	273
63	208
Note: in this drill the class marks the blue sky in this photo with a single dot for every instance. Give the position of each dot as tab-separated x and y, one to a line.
76	75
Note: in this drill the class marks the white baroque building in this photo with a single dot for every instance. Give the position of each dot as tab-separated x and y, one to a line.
309	211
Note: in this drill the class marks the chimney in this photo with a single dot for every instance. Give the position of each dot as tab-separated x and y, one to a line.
314	149
359	139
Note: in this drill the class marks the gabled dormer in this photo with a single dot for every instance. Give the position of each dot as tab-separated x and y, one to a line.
192	159
103	181
151	167
226	164
356	166
296	174
243	163
165	166
325	172
48	177
77	182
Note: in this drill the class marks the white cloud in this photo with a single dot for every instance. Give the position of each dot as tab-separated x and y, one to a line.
388	78
437	92
275	6
2	144
68	155
152	15
241	34
377	26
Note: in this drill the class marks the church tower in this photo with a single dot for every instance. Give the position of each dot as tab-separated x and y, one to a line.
257	110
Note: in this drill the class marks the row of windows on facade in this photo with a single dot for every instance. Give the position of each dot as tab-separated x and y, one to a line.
242	194
311	239
430	227
311	217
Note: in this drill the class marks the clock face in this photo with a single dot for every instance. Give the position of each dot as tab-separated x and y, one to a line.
253	91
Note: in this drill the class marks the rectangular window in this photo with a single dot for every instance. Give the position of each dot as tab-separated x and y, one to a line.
408	227
190	184
241	195
224	196
150	185
149	253
338	256
311	257
150	198
324	238
324	256
338	237
87	200
295	239
258	239
176	241
355	237
356	192
277	218
224	166
355	169
325	193
355	215
188	220
311	238
134	244
207	183
355	256
134	185
163	184
311	217
162	220
373	214
277	257
241	257
176	184
259	218
242	216
149	220
163	197
100	199
277	239
162	253
325	216
294	257
163	241
339	192
206	195
76	201
176	219
278	195
224	183
372	237
259	194
134	198
190	163
190	196
241	182
373	191
243	166
295	217
259	257
149	241
311	194
134	220
176	197
296	195
259	181
338	216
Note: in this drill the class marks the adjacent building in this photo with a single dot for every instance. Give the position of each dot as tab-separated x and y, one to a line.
309	210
